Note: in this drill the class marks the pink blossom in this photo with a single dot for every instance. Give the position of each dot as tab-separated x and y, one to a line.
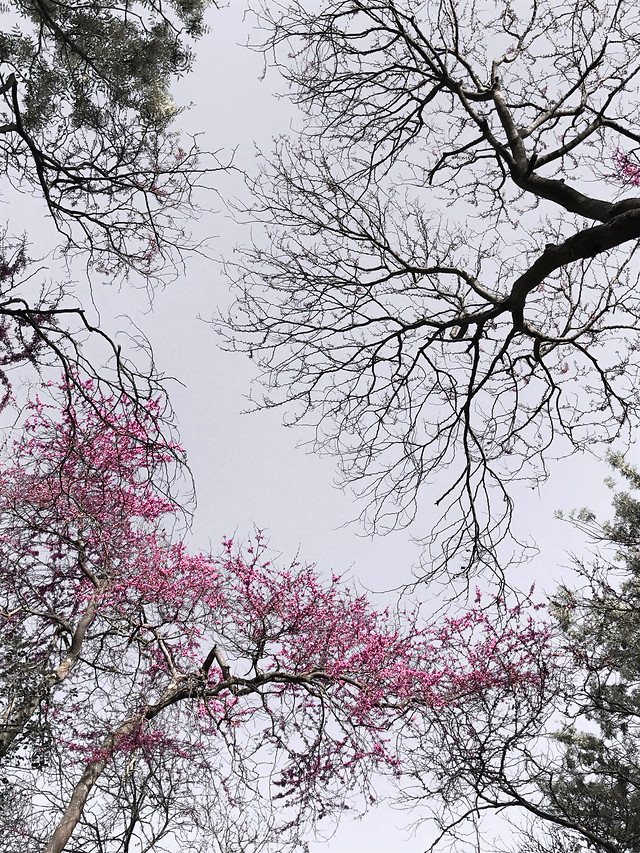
182	650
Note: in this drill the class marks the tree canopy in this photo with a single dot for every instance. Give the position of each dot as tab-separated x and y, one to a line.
567	771
86	129
153	696
448	286
447	289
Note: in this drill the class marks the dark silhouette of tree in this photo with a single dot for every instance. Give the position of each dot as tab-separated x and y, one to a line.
87	114
87	128
447	288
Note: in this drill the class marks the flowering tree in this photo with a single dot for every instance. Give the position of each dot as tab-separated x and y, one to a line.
568	776
447	285
155	696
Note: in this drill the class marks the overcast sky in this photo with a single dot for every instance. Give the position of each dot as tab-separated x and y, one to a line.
247	468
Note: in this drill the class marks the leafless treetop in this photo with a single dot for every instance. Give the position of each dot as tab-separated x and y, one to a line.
448	289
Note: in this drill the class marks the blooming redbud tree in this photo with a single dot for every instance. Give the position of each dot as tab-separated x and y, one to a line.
152	696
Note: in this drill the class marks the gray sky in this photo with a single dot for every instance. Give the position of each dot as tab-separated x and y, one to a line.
247	468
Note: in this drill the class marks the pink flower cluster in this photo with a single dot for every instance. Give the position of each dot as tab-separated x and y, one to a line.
300	667
628	170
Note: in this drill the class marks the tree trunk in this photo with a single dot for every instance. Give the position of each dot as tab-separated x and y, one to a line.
92	771
17	720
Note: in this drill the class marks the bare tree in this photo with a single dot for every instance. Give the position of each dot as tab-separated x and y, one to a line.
448	285
87	128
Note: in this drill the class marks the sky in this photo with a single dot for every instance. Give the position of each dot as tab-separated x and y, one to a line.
247	467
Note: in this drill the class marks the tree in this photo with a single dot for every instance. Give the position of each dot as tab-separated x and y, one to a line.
447	286
574	770
86	129
152	696
87	115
